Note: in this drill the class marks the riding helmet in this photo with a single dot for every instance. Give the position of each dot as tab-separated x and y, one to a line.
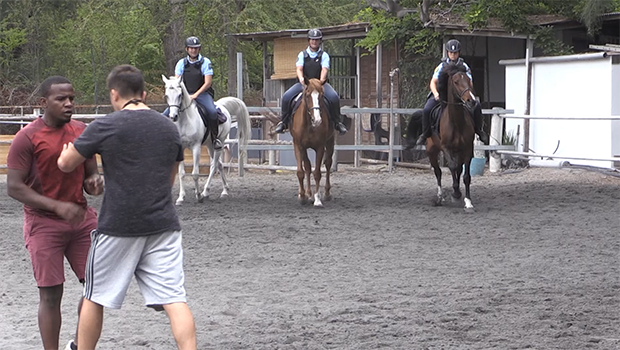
453	45
315	34
192	41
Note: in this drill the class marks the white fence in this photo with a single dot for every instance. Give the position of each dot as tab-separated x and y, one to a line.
496	137
274	146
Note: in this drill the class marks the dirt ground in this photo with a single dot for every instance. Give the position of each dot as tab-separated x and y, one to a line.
535	267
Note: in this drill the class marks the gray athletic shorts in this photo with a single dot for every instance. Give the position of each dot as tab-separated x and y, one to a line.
156	261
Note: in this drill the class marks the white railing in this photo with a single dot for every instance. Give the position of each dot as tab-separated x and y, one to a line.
497	122
272	146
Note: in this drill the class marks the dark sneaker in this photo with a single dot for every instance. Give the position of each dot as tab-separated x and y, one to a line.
341	128
280	128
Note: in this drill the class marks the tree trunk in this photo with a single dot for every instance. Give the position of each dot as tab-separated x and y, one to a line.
173	36
232	65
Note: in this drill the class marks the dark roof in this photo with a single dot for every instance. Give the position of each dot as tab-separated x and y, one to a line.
455	24
451	23
343	31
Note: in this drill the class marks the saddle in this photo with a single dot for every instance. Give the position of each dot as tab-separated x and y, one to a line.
221	117
296	102
435	116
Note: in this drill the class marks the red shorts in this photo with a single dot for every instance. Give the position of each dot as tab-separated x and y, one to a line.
48	240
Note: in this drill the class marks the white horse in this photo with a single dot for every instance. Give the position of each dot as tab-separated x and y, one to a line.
184	113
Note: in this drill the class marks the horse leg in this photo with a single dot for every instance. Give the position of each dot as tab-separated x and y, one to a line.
434	160
215	154
196	171
328	159
225	187
467	181
301	192
317	178
456	180
307	171
181	189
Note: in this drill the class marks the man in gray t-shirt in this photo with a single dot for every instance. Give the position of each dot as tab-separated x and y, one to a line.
138	230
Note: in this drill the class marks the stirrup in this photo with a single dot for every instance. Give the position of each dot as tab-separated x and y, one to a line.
280	128
217	144
422	139
341	128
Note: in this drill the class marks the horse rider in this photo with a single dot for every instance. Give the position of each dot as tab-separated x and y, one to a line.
312	62
197	75
453	48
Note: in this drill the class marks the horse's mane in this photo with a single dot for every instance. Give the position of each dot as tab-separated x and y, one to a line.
315	84
442	82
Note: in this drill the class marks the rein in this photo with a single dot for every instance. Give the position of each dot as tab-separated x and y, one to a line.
182	109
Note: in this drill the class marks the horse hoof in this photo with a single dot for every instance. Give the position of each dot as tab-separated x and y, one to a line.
303	200
179	203
224	195
318	205
328	197
200	199
469	210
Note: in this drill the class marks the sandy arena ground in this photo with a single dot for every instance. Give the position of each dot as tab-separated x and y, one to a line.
535	267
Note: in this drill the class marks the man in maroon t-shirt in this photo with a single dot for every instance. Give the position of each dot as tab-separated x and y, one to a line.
57	220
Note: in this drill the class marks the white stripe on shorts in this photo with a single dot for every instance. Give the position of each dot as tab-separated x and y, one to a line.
156	261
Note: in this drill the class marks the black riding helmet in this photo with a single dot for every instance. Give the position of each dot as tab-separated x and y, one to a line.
453	45
315	34
192	41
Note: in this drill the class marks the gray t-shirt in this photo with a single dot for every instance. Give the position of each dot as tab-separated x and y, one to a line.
138	149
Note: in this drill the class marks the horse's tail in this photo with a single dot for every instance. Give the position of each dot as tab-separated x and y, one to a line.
239	113
414	128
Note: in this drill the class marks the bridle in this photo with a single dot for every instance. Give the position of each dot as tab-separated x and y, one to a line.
178	105
459	95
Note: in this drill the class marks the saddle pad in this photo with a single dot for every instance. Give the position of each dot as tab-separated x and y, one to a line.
221	117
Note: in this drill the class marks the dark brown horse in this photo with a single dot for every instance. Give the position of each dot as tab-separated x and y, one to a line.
456	131
311	129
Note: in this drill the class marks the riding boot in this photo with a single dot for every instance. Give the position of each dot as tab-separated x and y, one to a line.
426	130
338	124
213	129
283	125
478	126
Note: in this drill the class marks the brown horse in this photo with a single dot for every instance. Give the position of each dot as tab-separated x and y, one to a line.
456	131
311	128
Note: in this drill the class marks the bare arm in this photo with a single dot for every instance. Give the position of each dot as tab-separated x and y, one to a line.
433	86
19	190
300	74
173	173
324	72
69	158
93	181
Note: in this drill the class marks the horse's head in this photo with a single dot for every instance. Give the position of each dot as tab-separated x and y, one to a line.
313	95
455	86
174	95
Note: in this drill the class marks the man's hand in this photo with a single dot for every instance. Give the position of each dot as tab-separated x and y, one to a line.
436	94
93	184
193	96
71	212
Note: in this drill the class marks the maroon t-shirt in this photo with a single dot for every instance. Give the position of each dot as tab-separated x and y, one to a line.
35	149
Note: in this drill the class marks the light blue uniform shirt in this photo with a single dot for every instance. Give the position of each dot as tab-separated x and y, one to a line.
313	54
206	68
440	67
